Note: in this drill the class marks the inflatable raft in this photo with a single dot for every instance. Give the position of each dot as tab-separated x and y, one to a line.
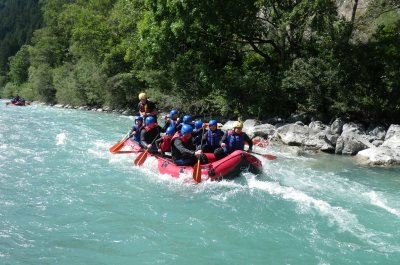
226	168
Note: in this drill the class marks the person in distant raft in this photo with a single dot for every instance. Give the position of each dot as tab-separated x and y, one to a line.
233	140
146	107
149	134
183	150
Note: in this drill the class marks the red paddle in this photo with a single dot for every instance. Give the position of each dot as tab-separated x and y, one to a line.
267	156
118	146
196	168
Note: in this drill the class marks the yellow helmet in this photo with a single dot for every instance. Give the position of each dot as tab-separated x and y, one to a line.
142	96
238	124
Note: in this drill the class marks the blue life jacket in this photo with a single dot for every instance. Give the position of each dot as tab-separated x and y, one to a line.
235	141
136	128
214	137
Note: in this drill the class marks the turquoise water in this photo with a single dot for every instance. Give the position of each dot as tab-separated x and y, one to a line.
64	199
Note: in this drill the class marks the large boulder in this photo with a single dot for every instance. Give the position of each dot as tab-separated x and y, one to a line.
262	130
392	138
379	156
337	126
385	155
352	140
296	135
228	125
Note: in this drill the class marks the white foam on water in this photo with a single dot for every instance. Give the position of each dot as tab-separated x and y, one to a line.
61	138
376	200
342	218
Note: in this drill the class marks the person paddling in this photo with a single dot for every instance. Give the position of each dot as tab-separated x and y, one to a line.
164	143
146	107
184	151
233	140
135	130
149	134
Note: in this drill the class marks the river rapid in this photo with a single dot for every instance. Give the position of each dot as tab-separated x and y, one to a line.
64	199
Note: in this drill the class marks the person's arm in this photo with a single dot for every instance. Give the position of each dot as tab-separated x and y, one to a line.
182	149
249	142
204	136
143	142
224	139
158	143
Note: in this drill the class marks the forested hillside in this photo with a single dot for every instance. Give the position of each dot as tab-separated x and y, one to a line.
256	58
18	20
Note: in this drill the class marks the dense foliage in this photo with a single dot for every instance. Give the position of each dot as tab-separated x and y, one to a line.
18	20
234	58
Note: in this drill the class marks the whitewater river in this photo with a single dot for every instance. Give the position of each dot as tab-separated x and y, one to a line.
64	199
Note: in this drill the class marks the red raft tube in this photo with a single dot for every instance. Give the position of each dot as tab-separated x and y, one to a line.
228	167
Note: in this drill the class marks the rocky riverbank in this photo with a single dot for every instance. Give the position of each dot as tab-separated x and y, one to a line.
374	145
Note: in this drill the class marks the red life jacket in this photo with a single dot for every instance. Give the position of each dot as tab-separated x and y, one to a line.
147	128
165	145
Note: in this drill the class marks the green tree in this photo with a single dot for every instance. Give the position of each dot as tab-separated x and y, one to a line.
19	65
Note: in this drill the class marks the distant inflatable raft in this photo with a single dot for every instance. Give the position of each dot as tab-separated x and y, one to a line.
228	167
20	103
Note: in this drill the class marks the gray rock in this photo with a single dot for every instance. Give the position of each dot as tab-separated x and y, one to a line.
380	156
262	130
317	125
337	126
378	133
296	135
228	125
392	138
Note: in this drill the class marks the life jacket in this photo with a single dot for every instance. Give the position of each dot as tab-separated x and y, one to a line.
235	141
143	107
136	136
214	137
187	143
147	128
165	145
151	134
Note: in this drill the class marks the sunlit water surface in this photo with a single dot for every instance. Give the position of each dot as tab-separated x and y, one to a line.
64	199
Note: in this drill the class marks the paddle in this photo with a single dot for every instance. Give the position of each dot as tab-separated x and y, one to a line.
267	156
139	160
261	143
116	147
196	168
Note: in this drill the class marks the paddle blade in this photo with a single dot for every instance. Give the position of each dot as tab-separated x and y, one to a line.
139	160
260	143
269	157
197	172
116	147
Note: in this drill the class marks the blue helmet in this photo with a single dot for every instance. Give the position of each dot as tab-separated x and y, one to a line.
150	119
186	128
138	118
198	124
212	122
172	113
187	118
170	131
